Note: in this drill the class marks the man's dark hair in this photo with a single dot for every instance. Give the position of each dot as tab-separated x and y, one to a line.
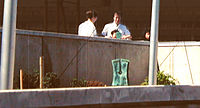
114	31
147	29
90	14
118	13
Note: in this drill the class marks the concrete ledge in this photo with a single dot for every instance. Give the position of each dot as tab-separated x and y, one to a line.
97	95
75	36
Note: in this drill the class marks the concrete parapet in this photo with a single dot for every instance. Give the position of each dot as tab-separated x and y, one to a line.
103	97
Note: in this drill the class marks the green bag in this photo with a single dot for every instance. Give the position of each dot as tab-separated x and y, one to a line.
120	70
118	35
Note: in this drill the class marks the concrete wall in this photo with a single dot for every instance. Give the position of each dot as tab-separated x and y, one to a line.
63	56
181	60
104	97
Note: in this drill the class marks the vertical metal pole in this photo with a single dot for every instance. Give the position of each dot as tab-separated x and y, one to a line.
8	44
154	43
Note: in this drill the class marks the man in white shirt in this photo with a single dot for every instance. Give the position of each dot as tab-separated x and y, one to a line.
87	28
108	28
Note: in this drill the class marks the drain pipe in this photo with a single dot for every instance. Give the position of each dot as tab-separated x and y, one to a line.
154	43
8	44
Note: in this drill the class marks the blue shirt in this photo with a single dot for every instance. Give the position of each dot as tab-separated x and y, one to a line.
108	28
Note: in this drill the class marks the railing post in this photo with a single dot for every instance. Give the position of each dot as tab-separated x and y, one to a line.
21	79
41	71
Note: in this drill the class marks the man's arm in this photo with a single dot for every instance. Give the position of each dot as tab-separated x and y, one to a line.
104	32
126	37
127	34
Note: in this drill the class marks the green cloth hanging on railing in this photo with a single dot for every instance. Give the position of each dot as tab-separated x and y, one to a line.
120	70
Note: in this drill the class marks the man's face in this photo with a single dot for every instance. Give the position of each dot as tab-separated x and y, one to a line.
147	35
94	19
116	18
114	35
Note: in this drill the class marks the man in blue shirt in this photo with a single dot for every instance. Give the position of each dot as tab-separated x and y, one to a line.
115	25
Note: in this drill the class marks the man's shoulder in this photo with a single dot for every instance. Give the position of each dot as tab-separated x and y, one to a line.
109	24
85	23
122	25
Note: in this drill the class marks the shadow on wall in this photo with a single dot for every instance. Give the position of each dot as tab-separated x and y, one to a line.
47	58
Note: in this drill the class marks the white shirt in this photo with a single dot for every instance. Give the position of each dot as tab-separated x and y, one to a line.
87	28
108	28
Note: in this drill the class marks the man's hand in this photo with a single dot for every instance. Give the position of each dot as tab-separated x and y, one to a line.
126	37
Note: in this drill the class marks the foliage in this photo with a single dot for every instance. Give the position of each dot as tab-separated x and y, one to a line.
51	80
78	83
162	79
84	83
32	80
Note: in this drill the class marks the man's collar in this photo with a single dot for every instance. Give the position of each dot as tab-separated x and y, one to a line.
116	24
89	20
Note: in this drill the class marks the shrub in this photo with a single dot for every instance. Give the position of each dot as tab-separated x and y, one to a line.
78	83
163	79
32	80
84	83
